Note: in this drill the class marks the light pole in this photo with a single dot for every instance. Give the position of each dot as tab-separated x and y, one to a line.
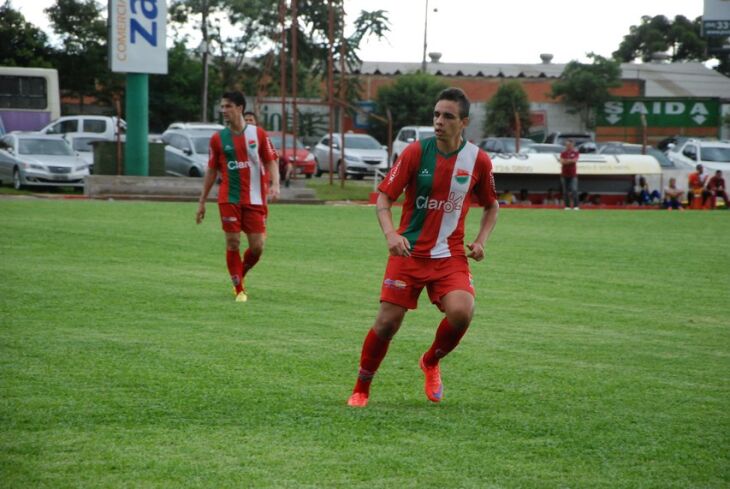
425	37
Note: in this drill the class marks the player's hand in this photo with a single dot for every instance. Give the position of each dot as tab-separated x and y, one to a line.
200	215
397	244
476	251
274	192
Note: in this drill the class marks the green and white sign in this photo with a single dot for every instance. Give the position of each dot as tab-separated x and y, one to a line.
660	112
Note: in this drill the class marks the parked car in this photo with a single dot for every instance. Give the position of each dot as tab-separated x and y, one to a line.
621	148
363	155
33	159
186	151
712	155
545	148
505	145
196	125
301	159
102	126
83	144
406	136
560	138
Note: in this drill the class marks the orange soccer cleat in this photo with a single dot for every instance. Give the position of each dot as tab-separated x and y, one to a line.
432	385
358	399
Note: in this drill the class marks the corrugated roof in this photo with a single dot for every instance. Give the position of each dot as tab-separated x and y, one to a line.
690	79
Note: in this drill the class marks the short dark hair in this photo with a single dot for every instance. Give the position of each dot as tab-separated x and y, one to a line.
456	95
248	112
237	97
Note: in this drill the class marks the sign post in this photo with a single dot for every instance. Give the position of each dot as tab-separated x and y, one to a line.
137	46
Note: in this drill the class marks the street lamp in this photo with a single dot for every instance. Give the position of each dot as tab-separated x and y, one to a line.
425	37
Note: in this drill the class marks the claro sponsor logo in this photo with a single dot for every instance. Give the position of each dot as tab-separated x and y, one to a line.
238	165
452	204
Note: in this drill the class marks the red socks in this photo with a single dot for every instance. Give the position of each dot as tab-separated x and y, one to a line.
373	352
447	337
249	260
233	260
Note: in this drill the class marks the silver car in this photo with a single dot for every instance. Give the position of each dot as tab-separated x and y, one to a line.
186	151
34	159
363	155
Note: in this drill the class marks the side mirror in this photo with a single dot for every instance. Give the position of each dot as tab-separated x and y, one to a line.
335	146
410	140
690	153
188	151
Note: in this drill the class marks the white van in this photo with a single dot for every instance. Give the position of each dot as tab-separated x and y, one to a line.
101	126
406	136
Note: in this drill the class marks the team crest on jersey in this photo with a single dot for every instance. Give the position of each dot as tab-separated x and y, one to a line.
252	143
462	176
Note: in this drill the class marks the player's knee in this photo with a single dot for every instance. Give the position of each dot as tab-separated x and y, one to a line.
233	244
460	318
256	249
386	328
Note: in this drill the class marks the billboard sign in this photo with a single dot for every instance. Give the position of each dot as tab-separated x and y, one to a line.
660	112
138	36
716	18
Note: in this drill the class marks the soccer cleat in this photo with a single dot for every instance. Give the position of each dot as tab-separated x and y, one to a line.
241	296
432	385
358	399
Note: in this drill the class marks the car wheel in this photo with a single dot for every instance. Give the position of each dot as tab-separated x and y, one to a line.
359	177
194	172
308	176
17	182
342	174
317	170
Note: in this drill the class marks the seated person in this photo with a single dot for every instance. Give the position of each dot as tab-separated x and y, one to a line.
551	198
645	195
716	187
697	183
507	198
524	198
672	195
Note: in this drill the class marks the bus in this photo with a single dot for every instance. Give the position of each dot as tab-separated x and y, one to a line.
29	98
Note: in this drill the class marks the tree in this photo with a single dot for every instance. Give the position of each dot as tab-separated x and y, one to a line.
410	100
680	38
509	99
21	43
585	86
82	60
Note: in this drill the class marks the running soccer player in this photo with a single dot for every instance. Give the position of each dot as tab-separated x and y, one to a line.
244	157
441	176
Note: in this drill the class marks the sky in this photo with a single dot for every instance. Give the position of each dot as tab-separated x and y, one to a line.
490	31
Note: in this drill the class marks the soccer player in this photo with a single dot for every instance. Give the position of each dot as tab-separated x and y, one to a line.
244	157
441	176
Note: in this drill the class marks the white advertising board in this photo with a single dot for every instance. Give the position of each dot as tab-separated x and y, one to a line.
138	36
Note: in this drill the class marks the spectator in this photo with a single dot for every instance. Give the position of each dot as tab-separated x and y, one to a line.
524	198
646	196
716	187
569	174
697	183
551	198
672	195
507	198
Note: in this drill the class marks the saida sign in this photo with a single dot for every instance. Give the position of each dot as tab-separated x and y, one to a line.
660	112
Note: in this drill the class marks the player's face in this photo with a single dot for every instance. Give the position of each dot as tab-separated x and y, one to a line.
249	119
230	111
447	123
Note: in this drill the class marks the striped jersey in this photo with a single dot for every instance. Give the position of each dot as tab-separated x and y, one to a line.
439	189
240	160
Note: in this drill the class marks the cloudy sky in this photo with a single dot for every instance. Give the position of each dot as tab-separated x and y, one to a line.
490	31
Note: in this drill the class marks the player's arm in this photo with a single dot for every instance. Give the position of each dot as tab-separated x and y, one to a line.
397	244
273	169
487	223
210	175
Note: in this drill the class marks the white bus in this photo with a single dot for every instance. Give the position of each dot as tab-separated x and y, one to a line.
29	98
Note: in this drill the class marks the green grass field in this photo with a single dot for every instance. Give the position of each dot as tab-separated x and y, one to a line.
599	356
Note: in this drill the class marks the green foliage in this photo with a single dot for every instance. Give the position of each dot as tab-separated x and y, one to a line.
586	86
125	362
410	99
681	38
21	43
510	98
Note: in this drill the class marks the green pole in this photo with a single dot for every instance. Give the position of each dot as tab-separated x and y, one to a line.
136	153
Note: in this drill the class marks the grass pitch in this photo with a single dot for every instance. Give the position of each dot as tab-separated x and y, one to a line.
599	355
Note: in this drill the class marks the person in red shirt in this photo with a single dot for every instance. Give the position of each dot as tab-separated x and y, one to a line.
244	157
716	186
697	183
569	174
441	176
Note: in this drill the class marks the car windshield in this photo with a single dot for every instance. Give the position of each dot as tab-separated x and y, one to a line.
84	144
55	147
511	147
276	141
201	143
545	148
425	134
361	142
715	153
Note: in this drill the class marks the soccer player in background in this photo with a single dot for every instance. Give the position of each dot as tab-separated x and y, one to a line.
245	158
441	176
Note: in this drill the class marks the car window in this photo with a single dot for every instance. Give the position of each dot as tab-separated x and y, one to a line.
201	144
361	142
407	134
94	125
715	153
325	141
424	134
54	147
276	141
84	144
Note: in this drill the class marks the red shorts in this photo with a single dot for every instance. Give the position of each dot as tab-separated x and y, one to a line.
247	218
405	277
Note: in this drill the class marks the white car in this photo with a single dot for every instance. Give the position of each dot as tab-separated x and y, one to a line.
102	126
712	155
406	136
213	126
363	155
186	151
